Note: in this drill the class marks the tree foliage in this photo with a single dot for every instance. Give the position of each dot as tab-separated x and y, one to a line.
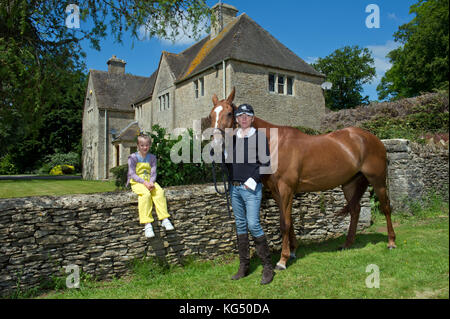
421	63
347	69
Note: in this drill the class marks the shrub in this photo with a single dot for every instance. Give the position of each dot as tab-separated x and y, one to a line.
7	166
62	170
308	130
71	159
170	173
120	175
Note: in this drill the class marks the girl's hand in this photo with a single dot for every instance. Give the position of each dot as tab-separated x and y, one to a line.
149	185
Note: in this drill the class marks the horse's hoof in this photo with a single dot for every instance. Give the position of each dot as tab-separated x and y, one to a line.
292	256
392	247
342	248
280	266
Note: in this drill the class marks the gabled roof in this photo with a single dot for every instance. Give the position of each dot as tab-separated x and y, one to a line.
128	134
243	40
146	89
115	91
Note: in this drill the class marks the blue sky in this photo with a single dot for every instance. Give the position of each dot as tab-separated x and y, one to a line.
311	29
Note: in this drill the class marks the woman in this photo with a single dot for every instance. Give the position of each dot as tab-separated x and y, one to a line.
246	192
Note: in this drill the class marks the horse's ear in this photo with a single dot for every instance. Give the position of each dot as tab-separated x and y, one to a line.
215	100
231	96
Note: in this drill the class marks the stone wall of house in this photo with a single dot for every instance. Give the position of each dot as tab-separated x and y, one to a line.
305	107
90	134
101	234
164	84
188	107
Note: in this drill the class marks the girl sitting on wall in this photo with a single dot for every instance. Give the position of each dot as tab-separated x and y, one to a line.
142	177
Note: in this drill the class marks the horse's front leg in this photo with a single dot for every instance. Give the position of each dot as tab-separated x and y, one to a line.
286	196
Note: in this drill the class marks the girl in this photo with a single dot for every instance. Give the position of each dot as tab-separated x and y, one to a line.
142	177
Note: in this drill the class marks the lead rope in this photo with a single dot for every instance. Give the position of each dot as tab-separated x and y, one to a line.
226	189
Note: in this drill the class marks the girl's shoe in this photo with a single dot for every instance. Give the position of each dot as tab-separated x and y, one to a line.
149	230
167	224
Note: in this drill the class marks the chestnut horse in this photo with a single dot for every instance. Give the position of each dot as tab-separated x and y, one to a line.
350	157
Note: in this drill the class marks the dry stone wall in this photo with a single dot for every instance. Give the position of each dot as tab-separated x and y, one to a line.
414	171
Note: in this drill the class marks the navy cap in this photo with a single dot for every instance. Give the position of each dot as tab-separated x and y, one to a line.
244	109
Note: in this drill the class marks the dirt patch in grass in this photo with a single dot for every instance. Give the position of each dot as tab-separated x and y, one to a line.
383	229
432	294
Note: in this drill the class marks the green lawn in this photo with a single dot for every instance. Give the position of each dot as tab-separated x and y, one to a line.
418	268
24	188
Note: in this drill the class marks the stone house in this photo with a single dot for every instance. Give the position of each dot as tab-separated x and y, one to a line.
281	87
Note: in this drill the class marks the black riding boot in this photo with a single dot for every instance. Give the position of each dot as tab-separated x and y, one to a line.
244	257
263	251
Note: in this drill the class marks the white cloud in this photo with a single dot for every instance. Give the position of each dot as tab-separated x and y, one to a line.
392	16
379	52
311	59
381	63
184	37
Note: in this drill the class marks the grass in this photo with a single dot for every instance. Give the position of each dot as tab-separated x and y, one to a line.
24	188
417	268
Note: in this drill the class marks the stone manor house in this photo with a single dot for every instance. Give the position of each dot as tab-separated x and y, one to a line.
281	87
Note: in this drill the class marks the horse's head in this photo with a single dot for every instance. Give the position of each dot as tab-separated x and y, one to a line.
222	116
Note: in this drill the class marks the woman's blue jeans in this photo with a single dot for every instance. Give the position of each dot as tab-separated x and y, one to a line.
246	204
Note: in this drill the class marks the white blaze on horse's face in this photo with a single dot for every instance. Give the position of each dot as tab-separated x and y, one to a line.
217	136
217	110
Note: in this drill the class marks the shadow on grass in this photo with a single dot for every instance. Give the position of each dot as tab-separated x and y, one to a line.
331	245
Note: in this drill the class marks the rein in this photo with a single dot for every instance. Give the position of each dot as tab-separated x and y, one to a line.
225	178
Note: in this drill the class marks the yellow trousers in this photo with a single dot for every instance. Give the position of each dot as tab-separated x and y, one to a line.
145	202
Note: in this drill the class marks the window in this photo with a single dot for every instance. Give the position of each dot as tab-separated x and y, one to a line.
281	84
164	102
199	87
202	86
290	83
196	88
271	82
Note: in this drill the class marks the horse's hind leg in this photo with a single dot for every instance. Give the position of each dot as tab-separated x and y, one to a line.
379	186
284	197
292	241
353	192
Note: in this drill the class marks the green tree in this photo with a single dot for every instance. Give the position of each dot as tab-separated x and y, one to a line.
421	63
347	69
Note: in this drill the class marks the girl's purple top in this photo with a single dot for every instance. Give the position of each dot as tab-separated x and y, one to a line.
133	159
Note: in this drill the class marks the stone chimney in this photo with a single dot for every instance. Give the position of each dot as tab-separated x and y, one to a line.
224	14
116	65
